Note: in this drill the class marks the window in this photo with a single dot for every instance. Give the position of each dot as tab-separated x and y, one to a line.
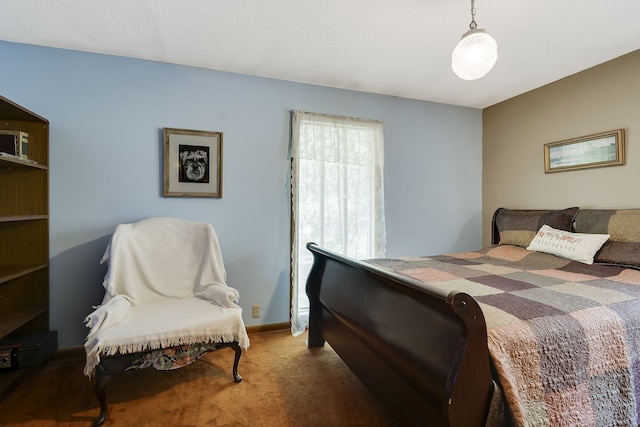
336	195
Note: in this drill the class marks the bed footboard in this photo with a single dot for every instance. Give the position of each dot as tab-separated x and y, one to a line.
421	352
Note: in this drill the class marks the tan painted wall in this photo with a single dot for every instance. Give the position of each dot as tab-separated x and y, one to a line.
602	98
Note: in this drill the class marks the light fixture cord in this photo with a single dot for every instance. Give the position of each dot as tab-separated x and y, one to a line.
473	24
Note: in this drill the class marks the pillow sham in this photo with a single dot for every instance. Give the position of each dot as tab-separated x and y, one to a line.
623	225
573	246
518	227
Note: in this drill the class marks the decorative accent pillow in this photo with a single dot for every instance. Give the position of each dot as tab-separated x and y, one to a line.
623	225
518	227
573	246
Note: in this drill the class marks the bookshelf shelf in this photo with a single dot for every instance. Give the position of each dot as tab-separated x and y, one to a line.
9	162
16	218
11	272
10	321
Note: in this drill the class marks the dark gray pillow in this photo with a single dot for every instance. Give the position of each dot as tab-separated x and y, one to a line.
518	227
623	227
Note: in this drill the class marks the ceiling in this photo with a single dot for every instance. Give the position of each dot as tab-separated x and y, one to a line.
393	47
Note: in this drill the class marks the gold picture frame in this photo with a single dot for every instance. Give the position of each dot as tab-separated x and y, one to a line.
192	163
592	151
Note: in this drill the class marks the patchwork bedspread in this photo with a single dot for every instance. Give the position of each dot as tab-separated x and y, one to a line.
564	336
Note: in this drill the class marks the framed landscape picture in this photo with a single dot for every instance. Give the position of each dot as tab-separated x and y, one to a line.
192	163
601	149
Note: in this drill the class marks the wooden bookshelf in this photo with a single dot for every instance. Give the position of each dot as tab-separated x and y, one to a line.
24	233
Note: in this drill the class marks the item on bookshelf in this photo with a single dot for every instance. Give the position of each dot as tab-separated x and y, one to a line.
8	145
8	359
25	350
18	140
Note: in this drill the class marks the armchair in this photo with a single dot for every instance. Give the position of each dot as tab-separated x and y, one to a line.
166	302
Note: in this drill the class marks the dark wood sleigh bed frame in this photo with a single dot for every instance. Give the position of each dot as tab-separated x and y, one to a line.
434	375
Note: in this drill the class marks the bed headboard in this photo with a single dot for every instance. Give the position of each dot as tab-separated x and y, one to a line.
518	227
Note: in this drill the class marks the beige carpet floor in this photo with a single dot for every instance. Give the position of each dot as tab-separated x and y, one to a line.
284	384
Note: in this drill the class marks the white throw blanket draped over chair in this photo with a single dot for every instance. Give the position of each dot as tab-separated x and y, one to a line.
165	286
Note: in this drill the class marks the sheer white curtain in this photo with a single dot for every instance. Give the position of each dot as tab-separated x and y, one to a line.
337	195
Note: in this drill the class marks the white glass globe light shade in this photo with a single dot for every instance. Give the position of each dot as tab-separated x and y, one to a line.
475	55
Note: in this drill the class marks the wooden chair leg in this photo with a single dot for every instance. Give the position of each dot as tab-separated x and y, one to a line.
101	394
236	347
112	365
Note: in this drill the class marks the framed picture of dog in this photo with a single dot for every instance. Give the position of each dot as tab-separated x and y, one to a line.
192	163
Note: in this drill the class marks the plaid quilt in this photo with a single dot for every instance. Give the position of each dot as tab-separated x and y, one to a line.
564	336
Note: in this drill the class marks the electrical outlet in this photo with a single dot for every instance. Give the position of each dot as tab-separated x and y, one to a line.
255	311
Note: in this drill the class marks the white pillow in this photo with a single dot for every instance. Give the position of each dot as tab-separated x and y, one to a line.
574	246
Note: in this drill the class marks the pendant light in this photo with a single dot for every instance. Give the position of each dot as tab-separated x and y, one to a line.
476	53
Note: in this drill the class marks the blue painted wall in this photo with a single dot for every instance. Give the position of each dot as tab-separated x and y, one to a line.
107	115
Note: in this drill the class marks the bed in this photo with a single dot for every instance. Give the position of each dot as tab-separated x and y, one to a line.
542	327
